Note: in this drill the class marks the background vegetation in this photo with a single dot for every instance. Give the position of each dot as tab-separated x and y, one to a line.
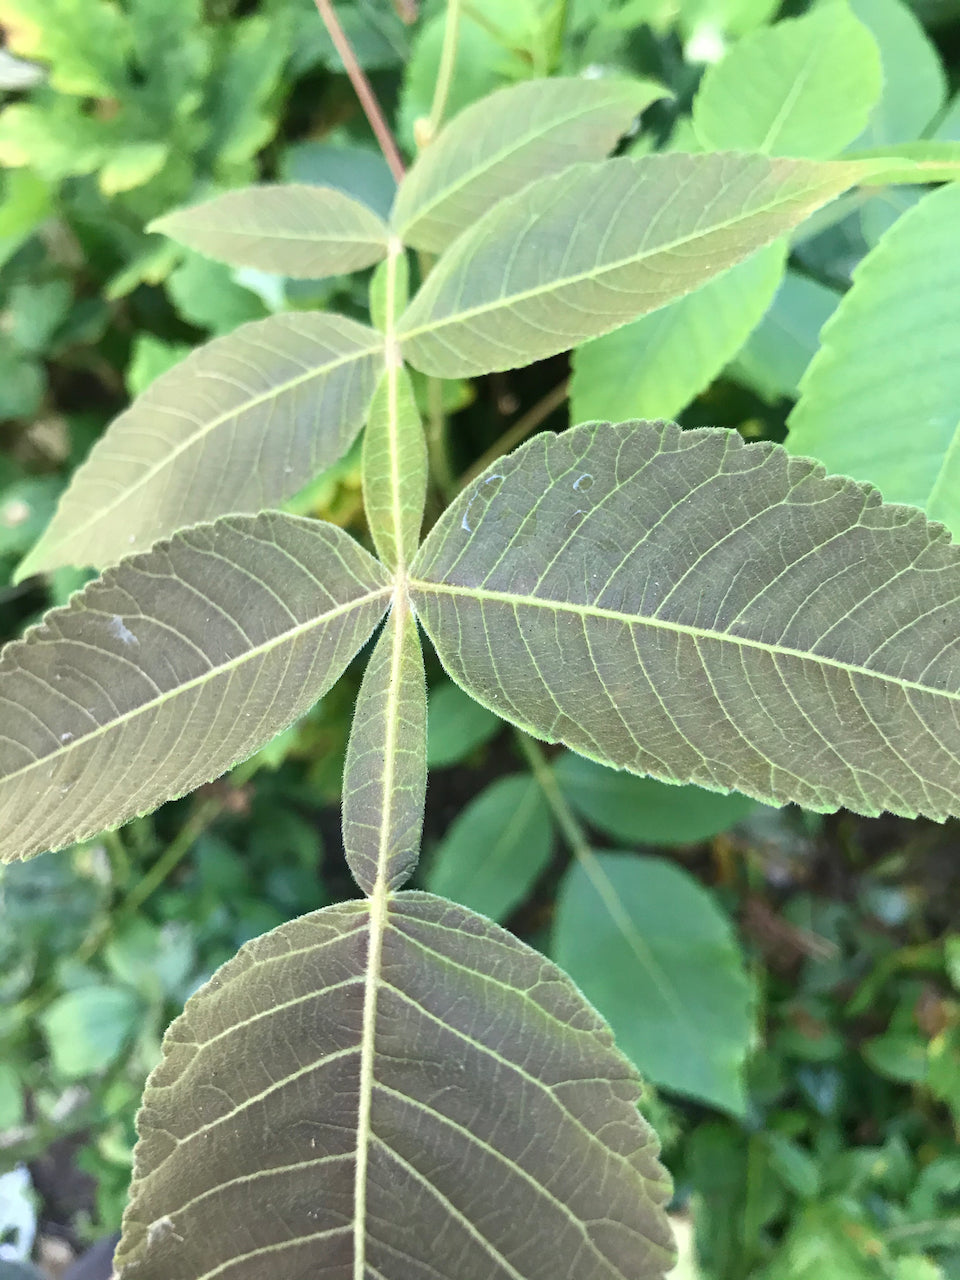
797	1010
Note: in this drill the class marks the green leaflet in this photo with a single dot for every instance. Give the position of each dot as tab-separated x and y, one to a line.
407	1117
778	351
493	852
288	228
914	84
172	667
688	606
643	810
385	776
244	422
456	725
579	253
655	366
903	314
497	146
804	87
650	949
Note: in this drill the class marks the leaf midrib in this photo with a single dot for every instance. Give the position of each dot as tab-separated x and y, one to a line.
481	594
303	628
508	301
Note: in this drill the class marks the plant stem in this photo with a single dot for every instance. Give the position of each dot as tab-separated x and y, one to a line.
448	59
362	88
519	431
570	826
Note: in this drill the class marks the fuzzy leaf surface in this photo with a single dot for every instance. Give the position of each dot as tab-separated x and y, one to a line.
900	431
293	229
385	776
407	1137
685	605
243	423
172	667
803	87
581	252
499	145
394	469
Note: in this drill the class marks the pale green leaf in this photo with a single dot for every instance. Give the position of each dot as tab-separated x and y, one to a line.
85	43
648	946
881	400
385	775
579	253
654	367
394	1082
930	160
778	351
87	1029
242	424
493	852
499	145
685	605
914	84
171	668
804	87
643	810
295	230
456	725
394	469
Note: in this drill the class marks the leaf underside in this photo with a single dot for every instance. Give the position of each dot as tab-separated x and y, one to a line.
486	1062
172	667
685	605
243	423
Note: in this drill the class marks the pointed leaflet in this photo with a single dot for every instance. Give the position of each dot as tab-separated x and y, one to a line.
385	775
804	87
650	948
291	229
899	428
498	145
267	1149
654	367
171	668
580	253
243	423
689	606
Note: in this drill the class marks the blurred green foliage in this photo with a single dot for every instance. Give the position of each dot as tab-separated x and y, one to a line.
836	1157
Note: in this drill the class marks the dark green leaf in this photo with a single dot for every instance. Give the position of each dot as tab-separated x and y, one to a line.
456	725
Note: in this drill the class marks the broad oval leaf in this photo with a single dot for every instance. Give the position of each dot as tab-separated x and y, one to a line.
457	726
900	431
288	228
171	668
685	605
914	83
383	1094
499	145
243	423
584	251
803	87
385	775
651	949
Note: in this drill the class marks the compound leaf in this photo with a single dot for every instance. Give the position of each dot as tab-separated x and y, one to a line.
499	145
902	431
581	252
292	229
171	668
385	775
685	605
803	87
241	424
399	1079
650	948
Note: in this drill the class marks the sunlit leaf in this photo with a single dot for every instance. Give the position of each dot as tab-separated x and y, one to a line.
383	1092
804	87
242	424
295	230
385	776
902	431
171	668
584	251
493	852
650	948
688	606
499	145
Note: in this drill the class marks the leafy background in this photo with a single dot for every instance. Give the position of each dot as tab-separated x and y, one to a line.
788	983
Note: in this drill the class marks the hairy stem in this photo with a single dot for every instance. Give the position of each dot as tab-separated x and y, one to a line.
448	59
362	88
